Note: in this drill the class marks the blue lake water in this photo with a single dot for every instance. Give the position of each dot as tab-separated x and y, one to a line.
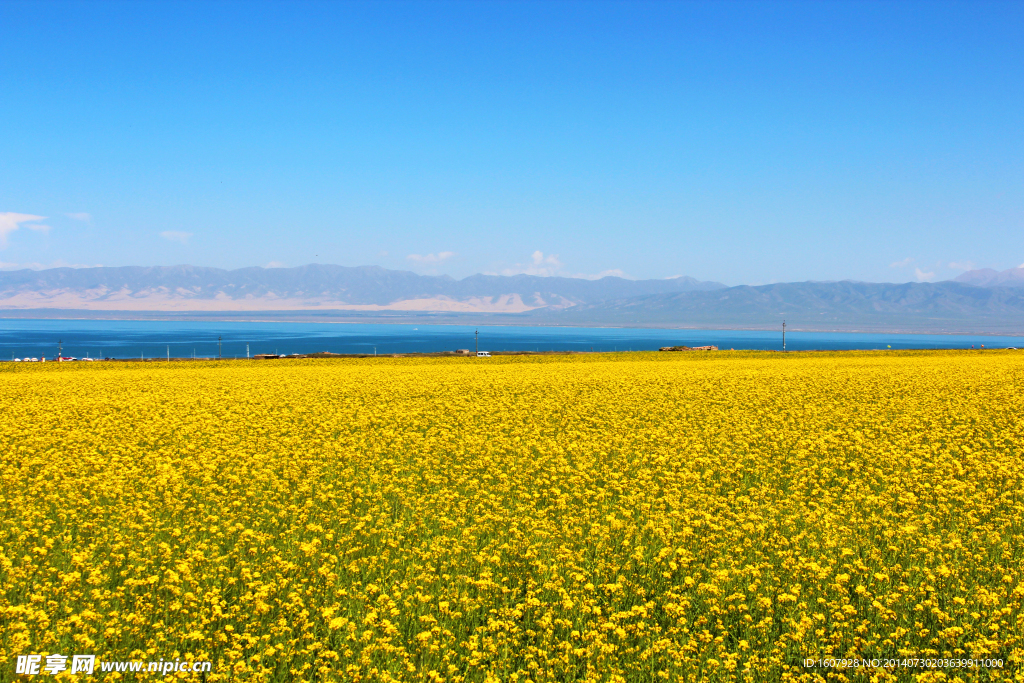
134	339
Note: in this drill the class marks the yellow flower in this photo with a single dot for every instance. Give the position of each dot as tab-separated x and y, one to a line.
617	517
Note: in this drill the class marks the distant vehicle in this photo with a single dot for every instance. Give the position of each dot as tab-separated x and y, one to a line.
483	354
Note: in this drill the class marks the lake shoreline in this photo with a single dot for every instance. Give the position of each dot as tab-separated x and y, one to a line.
331	317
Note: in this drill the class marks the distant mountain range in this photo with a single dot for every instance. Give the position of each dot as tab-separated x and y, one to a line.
312	287
977	301
986	277
941	307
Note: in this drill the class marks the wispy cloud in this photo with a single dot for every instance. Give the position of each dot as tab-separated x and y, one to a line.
961	265
84	217
544	266
901	264
274	264
550	265
923	276
176	236
9	222
431	258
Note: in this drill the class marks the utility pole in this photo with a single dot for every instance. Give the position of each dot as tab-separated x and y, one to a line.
168	354
783	335
220	356
246	350
477	336
60	349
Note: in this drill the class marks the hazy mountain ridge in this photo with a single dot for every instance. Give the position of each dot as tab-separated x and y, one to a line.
333	292
311	286
987	277
915	306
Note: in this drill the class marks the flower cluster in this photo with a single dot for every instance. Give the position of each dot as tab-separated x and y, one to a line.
627	517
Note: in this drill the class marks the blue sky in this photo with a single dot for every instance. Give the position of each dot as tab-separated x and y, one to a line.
741	142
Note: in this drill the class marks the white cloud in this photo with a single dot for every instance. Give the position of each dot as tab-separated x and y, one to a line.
84	217
538	258
922	276
902	264
1021	265
274	264
431	258
9	222
176	236
964	265
550	265
544	266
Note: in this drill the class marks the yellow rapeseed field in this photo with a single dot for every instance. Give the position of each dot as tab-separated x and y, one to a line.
632	517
